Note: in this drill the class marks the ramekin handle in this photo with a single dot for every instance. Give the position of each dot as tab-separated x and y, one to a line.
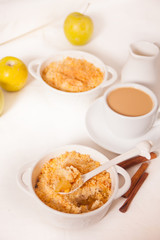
20	175
157	122
127	183
32	67
111	80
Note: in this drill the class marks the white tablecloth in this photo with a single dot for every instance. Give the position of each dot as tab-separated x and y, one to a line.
34	123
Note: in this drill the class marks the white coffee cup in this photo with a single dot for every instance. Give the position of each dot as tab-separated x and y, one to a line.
126	126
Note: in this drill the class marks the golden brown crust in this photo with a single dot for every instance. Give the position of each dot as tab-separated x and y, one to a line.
72	75
93	194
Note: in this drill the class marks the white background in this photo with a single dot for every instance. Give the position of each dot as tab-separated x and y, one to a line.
34	123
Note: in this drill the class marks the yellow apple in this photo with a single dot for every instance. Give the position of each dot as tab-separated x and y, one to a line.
78	28
1	101
13	74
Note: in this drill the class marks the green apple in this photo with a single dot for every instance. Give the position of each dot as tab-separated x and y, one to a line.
78	28
13	74
1	101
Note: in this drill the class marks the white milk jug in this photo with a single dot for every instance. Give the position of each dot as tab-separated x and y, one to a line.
141	66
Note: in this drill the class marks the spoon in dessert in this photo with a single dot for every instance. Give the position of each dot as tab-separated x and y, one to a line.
141	149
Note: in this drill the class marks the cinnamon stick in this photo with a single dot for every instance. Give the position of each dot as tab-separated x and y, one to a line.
128	201
135	178
136	160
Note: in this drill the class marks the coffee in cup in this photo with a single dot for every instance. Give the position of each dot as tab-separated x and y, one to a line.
129	101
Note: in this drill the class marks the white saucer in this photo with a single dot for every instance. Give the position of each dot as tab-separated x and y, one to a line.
101	134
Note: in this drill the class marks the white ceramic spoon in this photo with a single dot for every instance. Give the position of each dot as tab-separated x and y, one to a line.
142	149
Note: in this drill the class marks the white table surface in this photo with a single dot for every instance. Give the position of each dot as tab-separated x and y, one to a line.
34	123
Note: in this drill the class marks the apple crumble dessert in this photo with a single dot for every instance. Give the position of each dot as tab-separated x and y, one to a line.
72	75
61	174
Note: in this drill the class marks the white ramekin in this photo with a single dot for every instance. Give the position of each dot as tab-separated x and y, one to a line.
73	221
36	67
